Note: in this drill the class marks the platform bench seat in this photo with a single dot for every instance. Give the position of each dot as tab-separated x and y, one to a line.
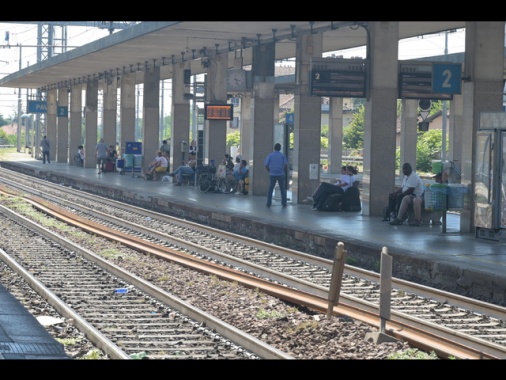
189	179
427	216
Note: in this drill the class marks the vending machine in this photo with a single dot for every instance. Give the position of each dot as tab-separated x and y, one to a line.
490	176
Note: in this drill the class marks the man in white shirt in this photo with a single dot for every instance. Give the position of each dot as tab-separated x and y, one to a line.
412	187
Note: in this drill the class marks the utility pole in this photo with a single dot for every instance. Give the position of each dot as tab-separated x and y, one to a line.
19	109
443	129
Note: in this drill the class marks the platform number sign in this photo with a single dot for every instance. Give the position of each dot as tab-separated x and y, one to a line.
62	111
429	80
446	78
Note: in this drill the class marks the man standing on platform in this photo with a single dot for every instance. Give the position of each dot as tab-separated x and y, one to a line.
45	146
276	164
101	155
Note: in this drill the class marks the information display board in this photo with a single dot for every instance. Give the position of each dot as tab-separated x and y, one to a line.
429	80
219	111
338	77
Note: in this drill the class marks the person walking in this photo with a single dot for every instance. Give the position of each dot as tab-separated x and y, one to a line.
276	164
45	146
101	155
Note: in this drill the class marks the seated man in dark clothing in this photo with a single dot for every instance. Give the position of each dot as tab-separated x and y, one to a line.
325	189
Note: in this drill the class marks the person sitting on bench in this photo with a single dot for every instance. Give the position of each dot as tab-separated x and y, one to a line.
159	164
187	169
240	174
325	189
409	194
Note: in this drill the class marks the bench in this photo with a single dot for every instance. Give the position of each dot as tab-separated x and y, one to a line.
157	176
189	179
427	216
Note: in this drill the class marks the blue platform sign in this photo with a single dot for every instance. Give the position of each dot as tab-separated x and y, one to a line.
37	106
62	111
446	78
289	118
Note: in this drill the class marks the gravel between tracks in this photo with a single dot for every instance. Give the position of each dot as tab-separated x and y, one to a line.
302	333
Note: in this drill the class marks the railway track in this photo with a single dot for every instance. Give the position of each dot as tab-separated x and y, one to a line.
122	314
460	321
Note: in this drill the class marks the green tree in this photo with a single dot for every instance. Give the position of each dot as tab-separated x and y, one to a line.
324	137
3	121
233	139
353	133
167	127
432	139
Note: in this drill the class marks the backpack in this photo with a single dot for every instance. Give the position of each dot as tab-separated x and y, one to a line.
351	199
77	159
332	203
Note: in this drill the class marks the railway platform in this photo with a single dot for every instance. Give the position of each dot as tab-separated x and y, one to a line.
22	336
453	261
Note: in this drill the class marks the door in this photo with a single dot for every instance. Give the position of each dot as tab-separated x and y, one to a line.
483	180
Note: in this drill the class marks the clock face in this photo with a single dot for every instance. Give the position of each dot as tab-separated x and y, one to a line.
424	104
236	79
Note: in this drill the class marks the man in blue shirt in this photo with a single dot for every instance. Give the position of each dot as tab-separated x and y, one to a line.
276	164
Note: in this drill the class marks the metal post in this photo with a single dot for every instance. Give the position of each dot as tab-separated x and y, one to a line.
443	128
385	288
337	278
19	108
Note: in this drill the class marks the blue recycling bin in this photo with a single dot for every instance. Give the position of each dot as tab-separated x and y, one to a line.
120	164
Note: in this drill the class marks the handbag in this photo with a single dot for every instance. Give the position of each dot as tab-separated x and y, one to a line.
222	171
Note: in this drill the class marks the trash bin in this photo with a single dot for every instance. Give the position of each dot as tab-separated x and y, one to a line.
456	194
437	167
435	197
120	165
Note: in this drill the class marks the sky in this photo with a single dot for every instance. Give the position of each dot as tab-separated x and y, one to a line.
25	35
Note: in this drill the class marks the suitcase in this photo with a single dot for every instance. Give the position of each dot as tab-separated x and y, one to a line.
109	166
332	203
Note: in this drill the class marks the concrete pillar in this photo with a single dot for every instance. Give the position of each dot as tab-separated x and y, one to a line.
380	117
246	129
51	123
62	139
110	101
335	150
262	116
91	119
454	130
127	114
151	114
307	118
482	92
180	116
215	131
409	132
76	119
